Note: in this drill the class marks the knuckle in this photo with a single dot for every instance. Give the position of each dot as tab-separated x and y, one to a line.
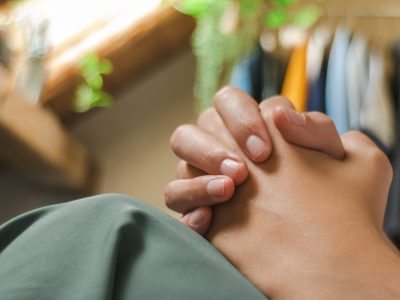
181	169
322	119
380	159
206	116
281	99
223	94
276	101
168	196
174	201
327	122
197	192
178	134
249	127
184	198
319	115
184	220
354	135
375	160
208	154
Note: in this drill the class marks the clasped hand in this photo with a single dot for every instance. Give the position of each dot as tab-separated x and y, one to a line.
295	205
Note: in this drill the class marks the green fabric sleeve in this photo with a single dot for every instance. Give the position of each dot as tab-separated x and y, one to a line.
112	247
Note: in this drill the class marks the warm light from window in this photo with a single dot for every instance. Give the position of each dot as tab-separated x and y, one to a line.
68	19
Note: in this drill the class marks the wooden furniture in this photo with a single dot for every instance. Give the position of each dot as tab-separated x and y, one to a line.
134	51
33	138
34	141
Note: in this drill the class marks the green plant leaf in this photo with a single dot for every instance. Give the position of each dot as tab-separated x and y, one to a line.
276	18
89	94
248	7
306	17
105	67
194	8
284	2
87	98
89	61
95	81
88	73
91	64
84	98
103	99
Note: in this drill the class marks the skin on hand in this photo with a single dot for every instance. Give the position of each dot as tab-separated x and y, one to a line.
250	133
309	248
307	226
238	115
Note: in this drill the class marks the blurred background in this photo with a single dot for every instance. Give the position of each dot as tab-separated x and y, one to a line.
90	91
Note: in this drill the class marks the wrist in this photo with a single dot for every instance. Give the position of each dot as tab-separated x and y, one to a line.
364	265
365	268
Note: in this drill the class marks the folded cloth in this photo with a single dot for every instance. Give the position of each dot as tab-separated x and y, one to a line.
357	78
111	247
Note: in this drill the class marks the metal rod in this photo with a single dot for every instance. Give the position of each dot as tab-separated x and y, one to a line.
363	16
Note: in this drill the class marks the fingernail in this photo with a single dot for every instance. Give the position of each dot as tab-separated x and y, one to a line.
216	187
256	146
294	117
230	167
196	217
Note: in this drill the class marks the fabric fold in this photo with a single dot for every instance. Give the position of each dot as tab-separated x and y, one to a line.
112	247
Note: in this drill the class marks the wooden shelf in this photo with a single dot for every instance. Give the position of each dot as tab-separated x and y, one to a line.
135	50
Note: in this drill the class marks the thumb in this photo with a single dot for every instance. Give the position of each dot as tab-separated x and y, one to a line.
312	130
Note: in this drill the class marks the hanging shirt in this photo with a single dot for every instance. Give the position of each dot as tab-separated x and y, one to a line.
295	83
271	75
316	74
240	77
377	113
396	77
316	93
247	74
392	217
336	93
315	52
357	78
